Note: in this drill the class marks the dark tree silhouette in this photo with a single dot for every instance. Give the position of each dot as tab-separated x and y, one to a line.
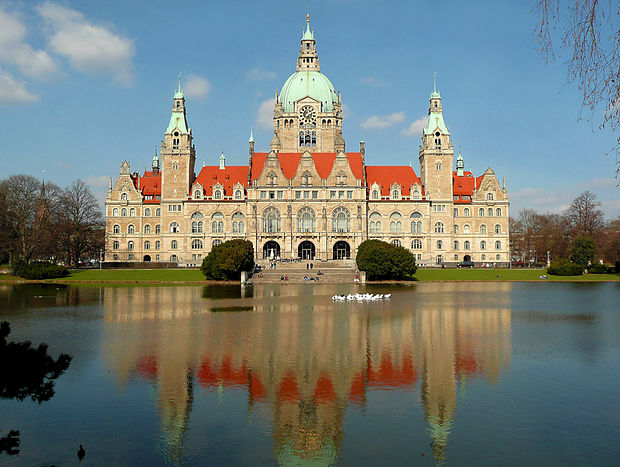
27	373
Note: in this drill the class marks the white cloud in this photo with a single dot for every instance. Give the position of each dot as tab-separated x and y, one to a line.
370	81
90	48
416	127
383	121
98	181
196	87
256	74
14	50
13	91
264	115
346	111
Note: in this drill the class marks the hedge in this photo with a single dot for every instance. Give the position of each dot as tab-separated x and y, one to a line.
40	270
564	267
226	261
384	261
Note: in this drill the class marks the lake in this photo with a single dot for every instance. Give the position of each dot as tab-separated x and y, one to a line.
450	373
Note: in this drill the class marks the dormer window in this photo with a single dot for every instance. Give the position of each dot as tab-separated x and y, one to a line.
375	194
217	194
395	194
197	194
489	196
123	196
238	194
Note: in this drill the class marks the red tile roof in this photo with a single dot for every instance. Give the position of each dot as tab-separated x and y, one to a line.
148	184
387	175
227	177
465	185
323	161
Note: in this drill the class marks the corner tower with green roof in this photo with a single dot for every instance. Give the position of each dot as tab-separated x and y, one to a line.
308	111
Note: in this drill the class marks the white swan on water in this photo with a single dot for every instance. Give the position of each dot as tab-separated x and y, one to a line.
361	297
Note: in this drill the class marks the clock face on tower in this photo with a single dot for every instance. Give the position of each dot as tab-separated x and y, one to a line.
307	116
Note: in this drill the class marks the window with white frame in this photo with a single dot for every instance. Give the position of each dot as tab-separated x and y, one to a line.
306	221
498	229
196	244
439	227
483	229
396	242
158	229
217	222
174	227
416	244
374	225
483	245
395	222
116	229
271	220
147	229
131	229
238	222
174	244
341	220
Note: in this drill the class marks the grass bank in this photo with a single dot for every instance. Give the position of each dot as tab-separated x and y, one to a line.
195	276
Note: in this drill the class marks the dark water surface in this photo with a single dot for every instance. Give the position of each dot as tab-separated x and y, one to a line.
448	373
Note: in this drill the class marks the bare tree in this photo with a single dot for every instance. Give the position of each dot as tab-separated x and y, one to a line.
23	210
79	221
590	35
584	215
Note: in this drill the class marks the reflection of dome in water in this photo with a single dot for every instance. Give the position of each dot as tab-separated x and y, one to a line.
325	454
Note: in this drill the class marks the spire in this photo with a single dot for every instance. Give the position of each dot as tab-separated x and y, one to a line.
179	93
435	113
435	93
251	135
460	166
308	58
178	119
222	161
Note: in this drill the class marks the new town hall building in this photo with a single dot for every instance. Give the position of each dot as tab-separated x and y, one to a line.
307	197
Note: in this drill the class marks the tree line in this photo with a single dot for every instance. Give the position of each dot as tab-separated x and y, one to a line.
533	236
42	221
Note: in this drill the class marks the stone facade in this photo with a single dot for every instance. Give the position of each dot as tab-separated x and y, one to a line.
307	197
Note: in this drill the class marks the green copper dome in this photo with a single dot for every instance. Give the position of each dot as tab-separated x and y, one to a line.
308	83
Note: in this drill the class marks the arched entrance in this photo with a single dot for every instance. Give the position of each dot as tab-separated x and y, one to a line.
342	250
271	250
306	250
147	258
466	258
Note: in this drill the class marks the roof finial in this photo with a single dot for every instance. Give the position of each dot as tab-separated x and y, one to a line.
180	74
434	81
251	135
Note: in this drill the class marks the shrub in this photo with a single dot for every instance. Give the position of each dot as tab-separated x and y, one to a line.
597	268
582	250
40	270
564	267
381	261
226	261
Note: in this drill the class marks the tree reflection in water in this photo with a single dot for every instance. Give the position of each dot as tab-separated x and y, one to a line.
27	373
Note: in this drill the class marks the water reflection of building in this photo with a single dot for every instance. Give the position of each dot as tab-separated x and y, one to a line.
304	357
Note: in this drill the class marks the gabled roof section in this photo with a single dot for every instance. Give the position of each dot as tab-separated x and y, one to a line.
435	120
227	177
323	161
149	184
466	184
386	175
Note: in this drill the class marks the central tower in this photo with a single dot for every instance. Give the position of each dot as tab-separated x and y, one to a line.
308	112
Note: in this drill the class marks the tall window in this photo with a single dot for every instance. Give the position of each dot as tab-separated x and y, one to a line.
498	212
439	244
115	245
341	221
396	242
466	229
489	196
306	179
147	245
157	244
456	244
130	245
466	212
158	212
306	221
375	194
490	212
375	223
271	220
483	229
238	224
217	194
174	244
483	245
498	229
456	212
467	245
123	196
132	212
158	229
395	222
416	244
238	194
196	244
498	245
116	229
197	224
217	222
115	212
174	227
481	212
147	212
124	212
456	229
147	229
416	223
130	229
439	228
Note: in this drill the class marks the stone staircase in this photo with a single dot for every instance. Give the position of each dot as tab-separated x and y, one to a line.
333	271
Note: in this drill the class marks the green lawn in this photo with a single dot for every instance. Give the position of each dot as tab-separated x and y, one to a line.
504	275
136	275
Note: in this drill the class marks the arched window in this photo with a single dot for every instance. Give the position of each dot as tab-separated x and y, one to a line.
238	194
498	229
147	229
416	225
396	242
498	212
197	227
174	227
341	221
481	212
490	212
238	224
416	194
483	229
130	229
116	229
158	229
483	245
395	222
498	257
158	212
130	245
483	257
217	222
467	245
456	229
456	244
306	221
456	212
147	245
132	212
115	212
147	212
341	178
174	259
217	242
217	194
416	244
466	212
197	194
197	215
375	194
196	244
115	245
395	194
439	244
306	179
174	244
271	220
272	178
124	212
123	196
439	227
489	196
466	229
498	245
157	244
375	223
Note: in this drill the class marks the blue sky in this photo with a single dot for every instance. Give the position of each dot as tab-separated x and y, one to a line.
87	84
